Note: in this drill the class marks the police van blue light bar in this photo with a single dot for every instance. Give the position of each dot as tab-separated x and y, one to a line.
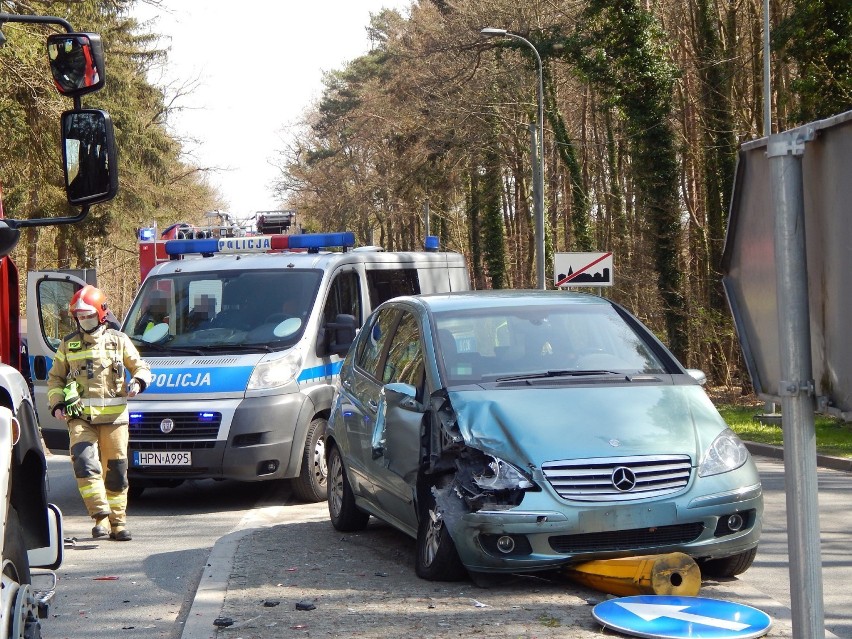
260	243
322	240
185	247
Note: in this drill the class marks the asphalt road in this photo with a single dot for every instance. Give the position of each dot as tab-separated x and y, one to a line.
145	587
174	530
770	572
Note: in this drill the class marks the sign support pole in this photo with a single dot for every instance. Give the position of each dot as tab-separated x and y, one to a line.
796	389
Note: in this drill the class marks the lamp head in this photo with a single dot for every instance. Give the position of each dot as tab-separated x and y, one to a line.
490	32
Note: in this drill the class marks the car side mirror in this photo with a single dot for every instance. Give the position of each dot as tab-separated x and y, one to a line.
697	375
76	62
89	156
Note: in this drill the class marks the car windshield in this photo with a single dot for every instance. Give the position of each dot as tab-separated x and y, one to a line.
228	311
540	342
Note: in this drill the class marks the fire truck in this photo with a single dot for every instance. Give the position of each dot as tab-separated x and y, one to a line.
32	541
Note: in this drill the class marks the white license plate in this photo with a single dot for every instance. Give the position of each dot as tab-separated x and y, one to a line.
161	458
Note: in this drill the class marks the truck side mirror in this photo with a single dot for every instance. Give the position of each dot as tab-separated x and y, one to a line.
9	237
89	155
76	62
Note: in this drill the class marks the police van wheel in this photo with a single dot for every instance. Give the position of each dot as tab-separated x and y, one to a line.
311	484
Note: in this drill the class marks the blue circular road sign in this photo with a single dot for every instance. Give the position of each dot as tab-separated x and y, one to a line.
665	617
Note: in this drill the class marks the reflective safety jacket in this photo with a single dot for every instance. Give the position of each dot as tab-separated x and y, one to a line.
97	361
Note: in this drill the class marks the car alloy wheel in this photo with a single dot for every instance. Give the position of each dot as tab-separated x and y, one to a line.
433	537
335	486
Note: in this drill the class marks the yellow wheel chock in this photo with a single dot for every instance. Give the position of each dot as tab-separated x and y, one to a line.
672	574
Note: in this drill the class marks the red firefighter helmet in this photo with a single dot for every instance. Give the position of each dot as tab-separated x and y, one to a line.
89	300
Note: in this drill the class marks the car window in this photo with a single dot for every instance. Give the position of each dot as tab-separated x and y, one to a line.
482	344
405	356
372	343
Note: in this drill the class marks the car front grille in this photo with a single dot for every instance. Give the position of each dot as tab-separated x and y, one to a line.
638	538
195	425
162	444
618	478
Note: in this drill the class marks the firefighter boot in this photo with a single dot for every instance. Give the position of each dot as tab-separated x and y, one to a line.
101	528
119	533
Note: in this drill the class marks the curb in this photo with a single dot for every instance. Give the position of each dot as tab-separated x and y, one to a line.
777	452
210	594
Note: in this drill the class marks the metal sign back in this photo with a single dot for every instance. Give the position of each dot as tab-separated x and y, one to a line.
749	269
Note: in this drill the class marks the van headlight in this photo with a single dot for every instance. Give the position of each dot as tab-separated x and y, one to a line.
726	453
273	373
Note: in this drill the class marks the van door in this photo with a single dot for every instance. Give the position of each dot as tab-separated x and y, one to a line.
48	321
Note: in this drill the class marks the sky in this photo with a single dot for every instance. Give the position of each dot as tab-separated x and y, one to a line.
254	74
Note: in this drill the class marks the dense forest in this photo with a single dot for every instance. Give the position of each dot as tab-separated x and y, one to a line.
156	184
645	103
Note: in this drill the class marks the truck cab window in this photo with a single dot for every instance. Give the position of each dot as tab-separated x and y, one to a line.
56	321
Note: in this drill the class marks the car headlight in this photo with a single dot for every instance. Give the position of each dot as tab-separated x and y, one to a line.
726	453
501	475
273	373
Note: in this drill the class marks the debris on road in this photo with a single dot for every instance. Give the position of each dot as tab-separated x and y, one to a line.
223	622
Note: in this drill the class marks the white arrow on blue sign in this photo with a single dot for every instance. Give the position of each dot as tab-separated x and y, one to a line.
664	617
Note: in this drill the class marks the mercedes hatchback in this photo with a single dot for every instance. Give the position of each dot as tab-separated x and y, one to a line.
514	431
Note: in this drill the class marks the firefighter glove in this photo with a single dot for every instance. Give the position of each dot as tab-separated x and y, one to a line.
73	403
133	388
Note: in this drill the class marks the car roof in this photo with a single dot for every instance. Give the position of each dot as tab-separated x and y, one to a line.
440	302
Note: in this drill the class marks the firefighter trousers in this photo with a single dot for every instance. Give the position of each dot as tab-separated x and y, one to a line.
93	448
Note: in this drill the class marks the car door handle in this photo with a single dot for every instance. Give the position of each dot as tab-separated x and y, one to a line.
373	404
347	384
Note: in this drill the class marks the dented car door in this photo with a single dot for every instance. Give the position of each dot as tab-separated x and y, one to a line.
396	450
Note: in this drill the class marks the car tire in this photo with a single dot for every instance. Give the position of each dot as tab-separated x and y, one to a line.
16	565
310	485
345	515
436	558
727	566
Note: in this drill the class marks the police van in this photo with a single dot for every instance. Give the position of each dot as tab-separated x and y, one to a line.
245	338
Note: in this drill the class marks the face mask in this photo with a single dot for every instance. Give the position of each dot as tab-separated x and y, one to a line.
89	324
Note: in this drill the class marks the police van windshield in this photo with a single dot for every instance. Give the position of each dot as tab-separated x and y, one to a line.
258	310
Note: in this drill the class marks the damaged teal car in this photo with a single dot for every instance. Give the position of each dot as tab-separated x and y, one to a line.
518	431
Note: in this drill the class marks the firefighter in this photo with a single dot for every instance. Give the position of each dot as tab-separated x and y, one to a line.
86	386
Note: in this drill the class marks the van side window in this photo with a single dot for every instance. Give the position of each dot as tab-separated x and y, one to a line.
387	284
344	296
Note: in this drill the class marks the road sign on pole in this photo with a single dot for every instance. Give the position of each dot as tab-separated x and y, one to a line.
583	269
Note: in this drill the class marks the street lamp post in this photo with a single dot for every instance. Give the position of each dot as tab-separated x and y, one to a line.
538	154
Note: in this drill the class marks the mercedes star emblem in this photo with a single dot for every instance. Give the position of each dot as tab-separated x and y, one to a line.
623	479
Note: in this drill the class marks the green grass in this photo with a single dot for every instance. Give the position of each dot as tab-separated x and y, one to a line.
833	437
